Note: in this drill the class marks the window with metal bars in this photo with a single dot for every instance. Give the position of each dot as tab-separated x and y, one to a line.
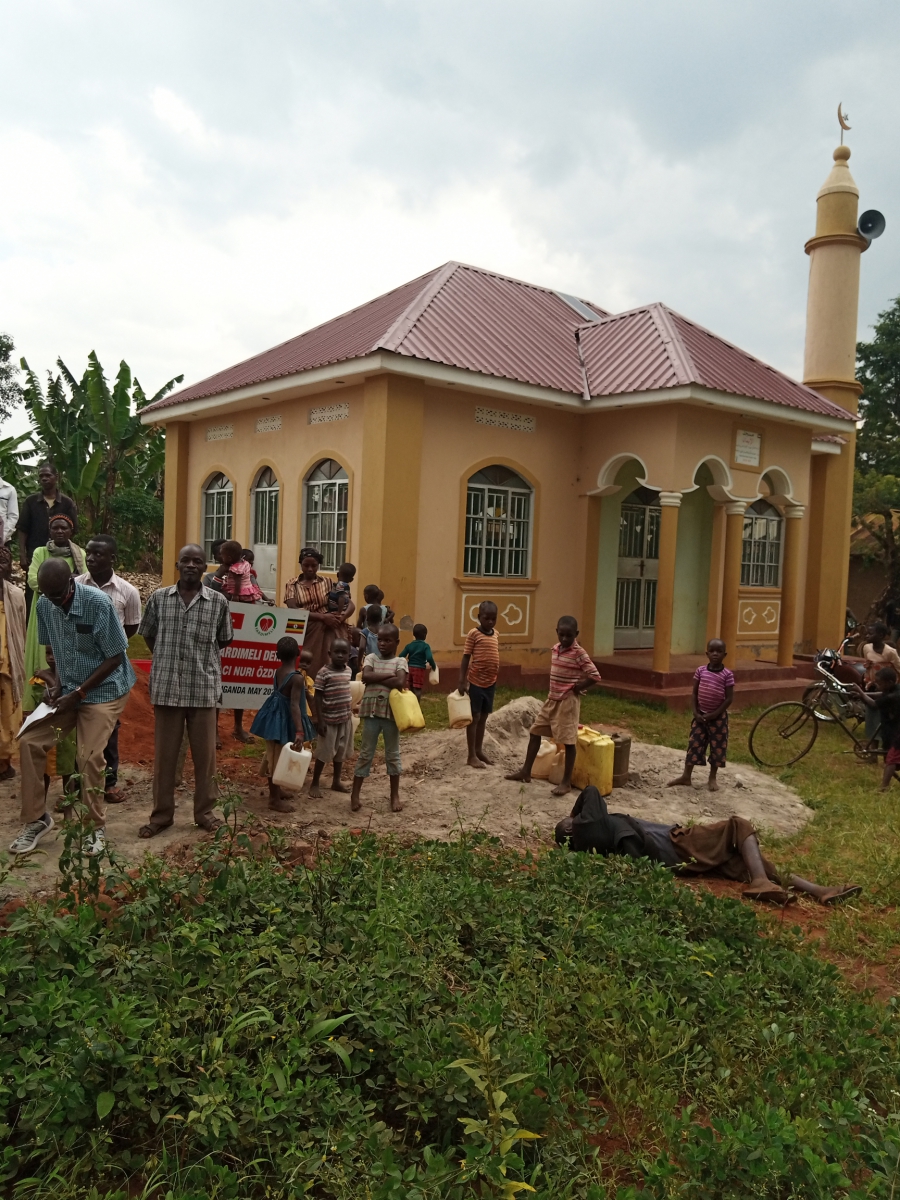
265	509
218	498
327	495
498	524
761	549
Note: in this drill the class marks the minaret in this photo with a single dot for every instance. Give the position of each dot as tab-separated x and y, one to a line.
830	367
830	360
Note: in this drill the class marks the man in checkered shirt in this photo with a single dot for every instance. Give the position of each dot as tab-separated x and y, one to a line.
186	627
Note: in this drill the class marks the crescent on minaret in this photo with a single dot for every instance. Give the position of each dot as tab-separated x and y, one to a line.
842	117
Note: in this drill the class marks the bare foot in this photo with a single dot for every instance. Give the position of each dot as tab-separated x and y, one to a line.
712	786
315	792
681	781
396	805
355	803
561	789
484	758
279	805
476	762
522	776
339	787
241	735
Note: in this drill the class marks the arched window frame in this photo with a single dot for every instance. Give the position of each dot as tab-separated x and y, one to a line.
266	495
326	508
497	545
762	546
218	511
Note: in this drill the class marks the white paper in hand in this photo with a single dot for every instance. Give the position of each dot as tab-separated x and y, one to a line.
41	713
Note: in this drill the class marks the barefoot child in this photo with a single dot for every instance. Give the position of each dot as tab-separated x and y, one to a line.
283	717
478	676
572	672
886	700
334	717
381	673
418	655
713	693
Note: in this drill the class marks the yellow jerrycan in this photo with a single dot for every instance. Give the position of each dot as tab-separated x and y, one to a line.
406	710
594	756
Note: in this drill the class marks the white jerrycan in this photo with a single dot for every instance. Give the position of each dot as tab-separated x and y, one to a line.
290	770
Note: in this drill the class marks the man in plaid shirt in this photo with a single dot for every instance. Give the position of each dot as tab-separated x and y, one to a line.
186	627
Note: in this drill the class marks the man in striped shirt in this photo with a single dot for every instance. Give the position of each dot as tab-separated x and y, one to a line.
713	693
572	671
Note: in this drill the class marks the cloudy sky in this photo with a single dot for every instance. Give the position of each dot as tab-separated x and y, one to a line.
186	183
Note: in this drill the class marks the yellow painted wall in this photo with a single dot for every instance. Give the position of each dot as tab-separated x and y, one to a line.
291	452
409	448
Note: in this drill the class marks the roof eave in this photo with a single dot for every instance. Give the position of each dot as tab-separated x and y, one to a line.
744	405
355	370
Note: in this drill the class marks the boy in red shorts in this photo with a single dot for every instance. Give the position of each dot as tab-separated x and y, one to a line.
420	658
713	694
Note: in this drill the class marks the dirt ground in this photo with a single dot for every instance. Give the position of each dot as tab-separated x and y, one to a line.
441	794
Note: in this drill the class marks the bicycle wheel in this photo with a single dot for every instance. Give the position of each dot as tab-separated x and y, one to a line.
783	734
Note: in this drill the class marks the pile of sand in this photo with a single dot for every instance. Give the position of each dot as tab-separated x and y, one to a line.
442	795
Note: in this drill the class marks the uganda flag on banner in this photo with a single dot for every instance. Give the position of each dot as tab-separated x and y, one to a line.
294	626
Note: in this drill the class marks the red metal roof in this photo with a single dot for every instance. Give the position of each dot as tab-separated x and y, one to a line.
654	347
480	321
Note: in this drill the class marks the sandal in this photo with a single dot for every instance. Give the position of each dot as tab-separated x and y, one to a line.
114	796
836	894
770	895
208	823
150	830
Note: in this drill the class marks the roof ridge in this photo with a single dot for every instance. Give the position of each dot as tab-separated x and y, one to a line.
752	357
416	309
678	353
535	287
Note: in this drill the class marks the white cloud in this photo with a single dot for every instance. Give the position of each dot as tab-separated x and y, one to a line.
191	184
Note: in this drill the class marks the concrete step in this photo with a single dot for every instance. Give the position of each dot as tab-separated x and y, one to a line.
755	694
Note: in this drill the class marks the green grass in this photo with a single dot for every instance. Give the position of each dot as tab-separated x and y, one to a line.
240	1030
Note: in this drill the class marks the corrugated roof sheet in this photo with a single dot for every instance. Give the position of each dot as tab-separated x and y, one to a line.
654	347
477	320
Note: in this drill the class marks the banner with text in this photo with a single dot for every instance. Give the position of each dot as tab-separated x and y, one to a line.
249	663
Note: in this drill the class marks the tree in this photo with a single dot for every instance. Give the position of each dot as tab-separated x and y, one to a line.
876	490
107	460
10	388
878	369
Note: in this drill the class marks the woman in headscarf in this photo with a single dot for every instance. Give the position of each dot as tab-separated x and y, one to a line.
59	546
12	661
310	591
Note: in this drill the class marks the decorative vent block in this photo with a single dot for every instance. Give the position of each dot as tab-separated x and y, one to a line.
219	433
329	412
505	420
268	424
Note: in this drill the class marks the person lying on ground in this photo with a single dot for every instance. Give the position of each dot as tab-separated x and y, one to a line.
712	696
886	701
572	672
334	718
729	849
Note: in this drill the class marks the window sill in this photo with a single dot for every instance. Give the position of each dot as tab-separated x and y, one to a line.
504	581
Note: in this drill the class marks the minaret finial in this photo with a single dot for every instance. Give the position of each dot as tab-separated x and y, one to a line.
842	121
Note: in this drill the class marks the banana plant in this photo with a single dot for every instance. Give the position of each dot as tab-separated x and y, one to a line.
93	434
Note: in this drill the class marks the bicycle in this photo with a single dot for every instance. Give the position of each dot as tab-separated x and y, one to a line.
786	732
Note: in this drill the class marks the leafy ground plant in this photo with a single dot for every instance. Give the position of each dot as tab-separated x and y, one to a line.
391	1023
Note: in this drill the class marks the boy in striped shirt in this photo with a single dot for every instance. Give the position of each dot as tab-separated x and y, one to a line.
572	672
713	693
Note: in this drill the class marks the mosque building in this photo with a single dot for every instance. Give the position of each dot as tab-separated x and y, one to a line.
468	436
